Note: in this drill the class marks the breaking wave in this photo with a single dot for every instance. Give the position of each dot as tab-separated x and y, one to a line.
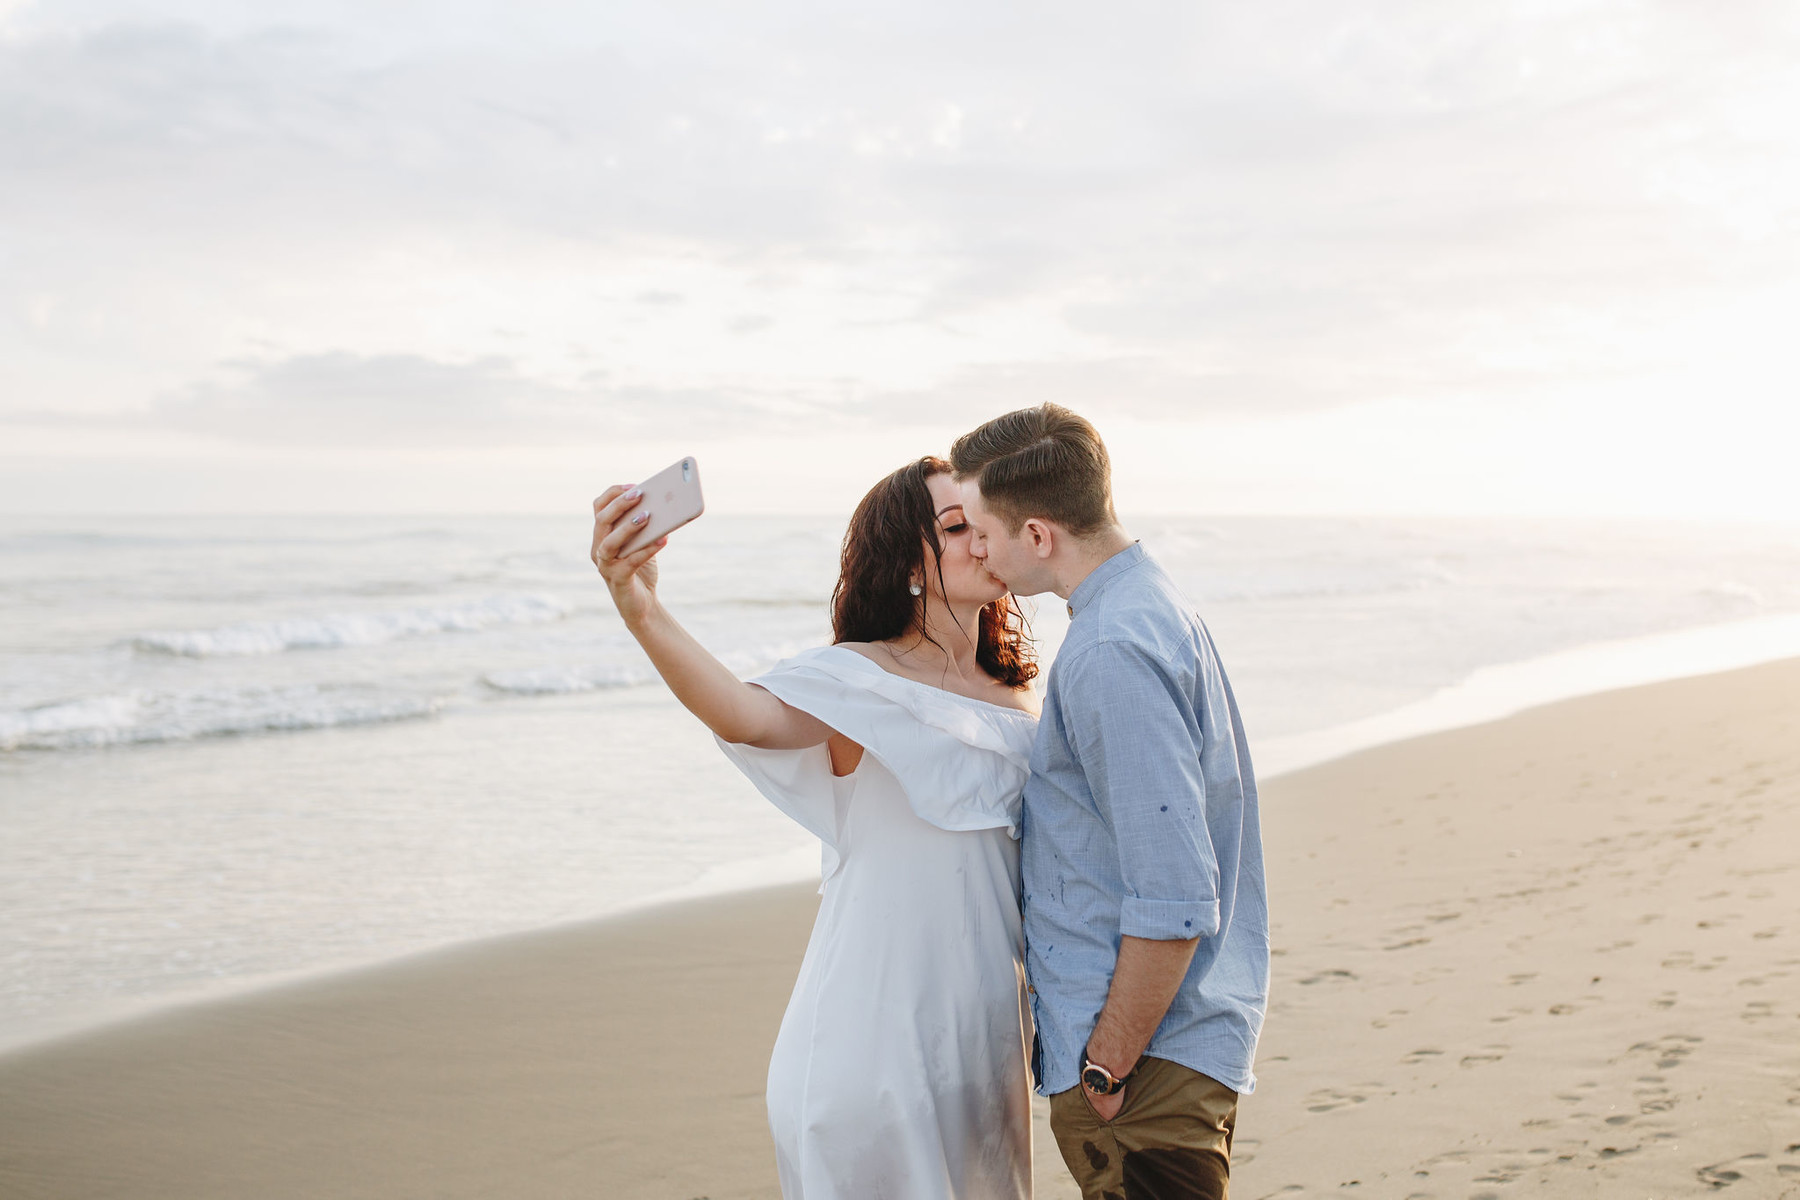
353	629
593	677
137	717
562	681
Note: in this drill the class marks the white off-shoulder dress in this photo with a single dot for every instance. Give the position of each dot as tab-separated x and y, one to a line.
900	1069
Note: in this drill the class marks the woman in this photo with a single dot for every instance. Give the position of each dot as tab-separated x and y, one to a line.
900	1066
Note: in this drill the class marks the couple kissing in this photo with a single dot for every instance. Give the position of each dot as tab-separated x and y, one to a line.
1071	898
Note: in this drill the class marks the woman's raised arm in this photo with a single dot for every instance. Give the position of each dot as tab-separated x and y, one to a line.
735	710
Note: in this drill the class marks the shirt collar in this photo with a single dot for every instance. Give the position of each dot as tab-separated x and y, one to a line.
1100	576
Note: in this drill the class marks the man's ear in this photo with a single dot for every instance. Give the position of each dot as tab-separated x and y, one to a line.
1043	538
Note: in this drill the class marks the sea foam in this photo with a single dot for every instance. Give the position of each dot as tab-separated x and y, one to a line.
567	679
353	629
138	717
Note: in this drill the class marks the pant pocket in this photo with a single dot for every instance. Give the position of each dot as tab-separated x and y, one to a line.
1069	1108
1087	1144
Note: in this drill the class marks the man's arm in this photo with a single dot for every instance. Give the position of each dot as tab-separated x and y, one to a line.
1143	984
1139	743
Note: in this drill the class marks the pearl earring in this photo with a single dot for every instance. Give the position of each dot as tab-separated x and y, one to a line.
914	588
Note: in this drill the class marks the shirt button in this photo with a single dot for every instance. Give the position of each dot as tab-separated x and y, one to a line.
1071	609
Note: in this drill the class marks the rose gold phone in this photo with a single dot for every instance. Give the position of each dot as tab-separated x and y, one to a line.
672	498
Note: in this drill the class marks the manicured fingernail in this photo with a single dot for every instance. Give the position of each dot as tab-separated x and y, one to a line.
634	493
639	519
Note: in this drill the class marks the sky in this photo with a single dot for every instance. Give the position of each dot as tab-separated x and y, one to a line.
1296	256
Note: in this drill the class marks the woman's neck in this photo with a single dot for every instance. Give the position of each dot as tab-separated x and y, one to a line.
946	639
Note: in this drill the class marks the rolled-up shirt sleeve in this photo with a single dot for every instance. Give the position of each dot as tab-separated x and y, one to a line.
1139	742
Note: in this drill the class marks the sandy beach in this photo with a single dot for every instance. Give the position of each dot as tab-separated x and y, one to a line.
1556	955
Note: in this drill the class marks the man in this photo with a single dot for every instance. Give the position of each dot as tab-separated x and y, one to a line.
1146	919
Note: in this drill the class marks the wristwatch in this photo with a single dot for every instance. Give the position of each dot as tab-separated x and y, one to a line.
1098	1080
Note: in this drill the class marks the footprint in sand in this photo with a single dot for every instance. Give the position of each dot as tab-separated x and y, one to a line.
1651	1096
1489	1054
1327	1099
1666	1000
1423	1054
1731	1171
1504	1173
1671	1049
1449	1158
1335	975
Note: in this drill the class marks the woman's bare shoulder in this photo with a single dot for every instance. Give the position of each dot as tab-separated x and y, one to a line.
1026	700
1018	699
994	692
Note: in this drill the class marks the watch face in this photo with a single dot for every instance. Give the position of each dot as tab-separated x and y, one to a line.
1096	1080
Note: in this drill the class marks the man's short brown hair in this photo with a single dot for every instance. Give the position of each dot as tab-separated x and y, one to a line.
1039	462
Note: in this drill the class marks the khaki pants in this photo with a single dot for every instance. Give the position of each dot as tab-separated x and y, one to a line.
1171	1141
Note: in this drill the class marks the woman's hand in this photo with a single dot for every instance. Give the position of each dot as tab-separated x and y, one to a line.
631	579
736	711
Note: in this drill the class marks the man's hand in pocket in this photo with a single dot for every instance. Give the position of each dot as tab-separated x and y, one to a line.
1105	1107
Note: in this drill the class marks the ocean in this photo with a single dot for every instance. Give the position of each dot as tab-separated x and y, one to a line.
235	750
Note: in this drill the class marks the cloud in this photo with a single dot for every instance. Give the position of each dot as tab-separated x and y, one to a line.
1273	207
346	399
1137	387
1075	153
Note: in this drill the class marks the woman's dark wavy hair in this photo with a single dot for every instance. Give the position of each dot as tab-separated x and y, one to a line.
884	547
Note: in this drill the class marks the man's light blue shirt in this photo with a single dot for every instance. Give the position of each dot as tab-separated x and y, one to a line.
1140	818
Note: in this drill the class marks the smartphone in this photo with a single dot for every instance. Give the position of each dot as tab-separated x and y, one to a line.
672	498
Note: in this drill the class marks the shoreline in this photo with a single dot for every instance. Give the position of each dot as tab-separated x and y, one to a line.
1557	943
1493	693
1489	694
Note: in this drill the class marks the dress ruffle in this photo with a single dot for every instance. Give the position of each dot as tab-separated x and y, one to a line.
920	734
